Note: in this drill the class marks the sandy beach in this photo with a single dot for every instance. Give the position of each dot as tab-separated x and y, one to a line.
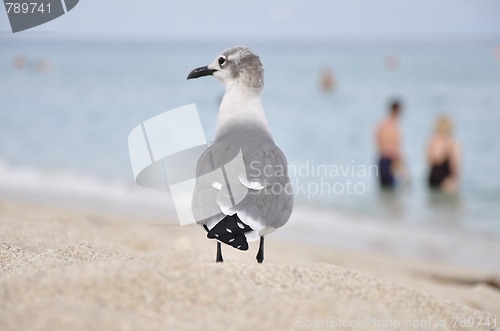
70	270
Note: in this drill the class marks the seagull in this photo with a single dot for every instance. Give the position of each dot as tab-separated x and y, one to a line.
227	215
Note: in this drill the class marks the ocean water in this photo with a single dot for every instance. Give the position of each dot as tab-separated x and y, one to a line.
65	117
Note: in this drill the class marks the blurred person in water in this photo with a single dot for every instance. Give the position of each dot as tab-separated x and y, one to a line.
327	80
443	157
388	141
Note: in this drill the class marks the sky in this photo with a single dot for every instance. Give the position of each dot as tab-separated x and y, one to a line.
292	20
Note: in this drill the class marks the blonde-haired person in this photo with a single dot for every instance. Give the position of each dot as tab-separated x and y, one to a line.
443	157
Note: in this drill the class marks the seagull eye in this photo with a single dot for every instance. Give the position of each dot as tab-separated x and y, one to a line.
222	60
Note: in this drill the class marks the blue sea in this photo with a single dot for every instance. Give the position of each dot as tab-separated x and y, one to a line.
67	109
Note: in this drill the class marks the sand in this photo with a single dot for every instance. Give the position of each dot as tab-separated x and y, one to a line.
73	270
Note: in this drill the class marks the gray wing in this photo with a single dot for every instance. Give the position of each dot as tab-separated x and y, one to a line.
269	198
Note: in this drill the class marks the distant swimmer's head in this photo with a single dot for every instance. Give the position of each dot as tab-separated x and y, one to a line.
235	66
395	108
444	125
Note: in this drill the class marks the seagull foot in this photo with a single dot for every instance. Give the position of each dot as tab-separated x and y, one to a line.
219	253
260	253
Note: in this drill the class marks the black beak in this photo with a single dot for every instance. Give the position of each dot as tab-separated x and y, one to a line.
200	72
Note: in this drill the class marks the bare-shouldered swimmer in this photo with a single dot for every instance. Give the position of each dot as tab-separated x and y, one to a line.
388	140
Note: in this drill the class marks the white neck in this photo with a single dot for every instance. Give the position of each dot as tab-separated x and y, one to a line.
240	106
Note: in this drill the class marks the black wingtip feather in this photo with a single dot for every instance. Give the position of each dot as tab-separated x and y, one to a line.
231	231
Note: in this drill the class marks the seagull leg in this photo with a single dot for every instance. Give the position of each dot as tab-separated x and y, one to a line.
260	253
219	253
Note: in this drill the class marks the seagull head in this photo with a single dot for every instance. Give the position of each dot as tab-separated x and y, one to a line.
236	66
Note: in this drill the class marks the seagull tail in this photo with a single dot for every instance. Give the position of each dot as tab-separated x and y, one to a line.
231	231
